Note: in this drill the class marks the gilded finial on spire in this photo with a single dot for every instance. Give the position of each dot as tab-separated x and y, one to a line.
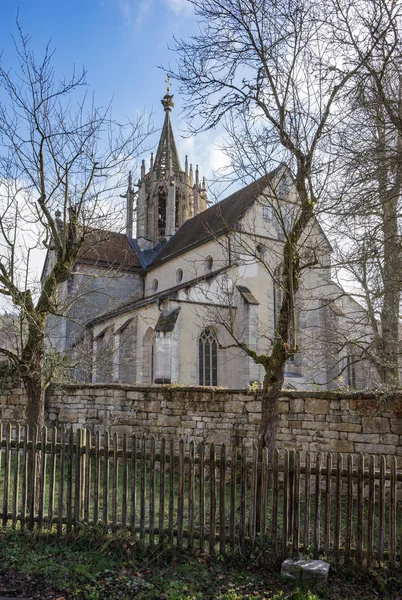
167	100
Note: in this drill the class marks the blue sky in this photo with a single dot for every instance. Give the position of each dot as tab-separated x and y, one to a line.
121	43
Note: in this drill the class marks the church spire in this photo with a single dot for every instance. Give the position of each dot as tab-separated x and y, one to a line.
167	158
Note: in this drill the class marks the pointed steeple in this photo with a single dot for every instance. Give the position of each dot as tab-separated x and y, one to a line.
167	158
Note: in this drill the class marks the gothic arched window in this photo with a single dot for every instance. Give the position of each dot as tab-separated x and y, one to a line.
208	358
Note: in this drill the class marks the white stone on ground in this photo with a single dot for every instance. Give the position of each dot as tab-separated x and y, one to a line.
305	570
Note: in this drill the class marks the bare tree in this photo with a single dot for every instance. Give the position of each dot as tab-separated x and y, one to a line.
272	70
367	220
61	159
368	171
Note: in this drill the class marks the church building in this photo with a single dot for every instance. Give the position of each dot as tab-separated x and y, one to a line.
170	299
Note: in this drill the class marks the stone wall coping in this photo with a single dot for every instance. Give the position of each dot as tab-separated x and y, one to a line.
162	388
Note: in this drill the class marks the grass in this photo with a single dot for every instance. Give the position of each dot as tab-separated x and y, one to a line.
93	566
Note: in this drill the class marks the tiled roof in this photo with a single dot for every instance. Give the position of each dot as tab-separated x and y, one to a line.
109	249
214	221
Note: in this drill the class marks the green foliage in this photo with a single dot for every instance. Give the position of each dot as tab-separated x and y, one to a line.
92	565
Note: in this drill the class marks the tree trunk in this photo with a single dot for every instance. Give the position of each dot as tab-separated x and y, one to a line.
392	275
35	401
31	368
272	386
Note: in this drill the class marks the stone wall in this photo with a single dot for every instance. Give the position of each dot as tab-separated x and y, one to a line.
326	421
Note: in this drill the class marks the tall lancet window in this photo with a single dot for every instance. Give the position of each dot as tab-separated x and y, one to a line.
162	197
208	358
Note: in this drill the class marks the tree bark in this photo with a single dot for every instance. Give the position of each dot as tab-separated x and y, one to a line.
31	368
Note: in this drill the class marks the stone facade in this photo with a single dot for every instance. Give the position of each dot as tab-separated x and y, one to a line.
320	421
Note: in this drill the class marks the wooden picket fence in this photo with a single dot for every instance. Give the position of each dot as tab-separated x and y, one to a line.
203	496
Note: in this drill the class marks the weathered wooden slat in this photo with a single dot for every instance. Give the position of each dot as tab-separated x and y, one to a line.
327	515
124	493
190	537
253	496
275	500
291	494
143	487
243	488
171	491
264	495
307	502
16	476
78	480
62	462
360	510
222	507
96	477
317	511
152	464
133	497
180	496
52	479
70	480
87	474
349	509
232	524
285	501
42	478
370	510
296	506
32	477
106	467
202	495
381	509
162	476
392	512
115	481
7	469
212	509
24	483
338	506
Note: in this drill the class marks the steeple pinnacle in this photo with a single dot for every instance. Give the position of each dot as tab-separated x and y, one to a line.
167	158
167	100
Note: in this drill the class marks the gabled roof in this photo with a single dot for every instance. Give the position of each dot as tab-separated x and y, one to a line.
108	249
216	220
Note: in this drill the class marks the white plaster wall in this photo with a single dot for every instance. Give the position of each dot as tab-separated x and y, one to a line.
192	263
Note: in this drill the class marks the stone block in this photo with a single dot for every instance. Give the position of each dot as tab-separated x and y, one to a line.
315	406
368	438
254	418
375	425
343	446
351	419
234	406
305	570
254	406
373	448
346	427
296	405
396	426
283	407
67	416
389	438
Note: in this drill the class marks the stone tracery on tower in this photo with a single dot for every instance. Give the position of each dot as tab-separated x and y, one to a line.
168	196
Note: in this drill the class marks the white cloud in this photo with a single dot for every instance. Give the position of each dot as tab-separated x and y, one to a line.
134	12
180	6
